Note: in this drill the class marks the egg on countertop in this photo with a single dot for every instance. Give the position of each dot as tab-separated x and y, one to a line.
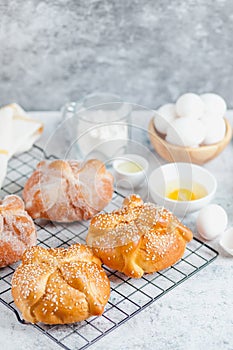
215	129
164	116
227	241
211	221
215	106
190	106
186	132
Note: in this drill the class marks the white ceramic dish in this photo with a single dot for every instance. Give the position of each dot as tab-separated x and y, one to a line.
181	175
226	241
126	179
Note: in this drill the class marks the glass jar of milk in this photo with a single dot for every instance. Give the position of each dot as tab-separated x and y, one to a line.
98	126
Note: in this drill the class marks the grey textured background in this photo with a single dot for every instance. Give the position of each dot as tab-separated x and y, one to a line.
149	51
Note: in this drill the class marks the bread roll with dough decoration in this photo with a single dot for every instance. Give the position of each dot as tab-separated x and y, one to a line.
17	230
58	286
138	238
66	191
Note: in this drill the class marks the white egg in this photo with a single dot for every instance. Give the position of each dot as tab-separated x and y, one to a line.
164	116
211	221
215	105
227	241
190	106
215	129
186	132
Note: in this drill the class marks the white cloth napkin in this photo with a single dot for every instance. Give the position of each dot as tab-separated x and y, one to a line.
6	121
18	132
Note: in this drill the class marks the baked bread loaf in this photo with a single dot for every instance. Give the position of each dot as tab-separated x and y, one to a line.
138	238
17	230
66	191
57	286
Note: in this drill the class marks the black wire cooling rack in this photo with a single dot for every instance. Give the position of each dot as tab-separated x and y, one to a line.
128	296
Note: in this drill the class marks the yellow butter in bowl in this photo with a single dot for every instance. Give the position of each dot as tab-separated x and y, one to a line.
130	170
129	167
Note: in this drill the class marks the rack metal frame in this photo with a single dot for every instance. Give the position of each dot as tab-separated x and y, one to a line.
128	296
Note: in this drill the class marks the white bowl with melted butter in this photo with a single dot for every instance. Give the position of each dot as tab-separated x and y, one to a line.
182	187
130	170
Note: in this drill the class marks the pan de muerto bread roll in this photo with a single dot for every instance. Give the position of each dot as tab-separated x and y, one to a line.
17	230
138	238
57	286
67	191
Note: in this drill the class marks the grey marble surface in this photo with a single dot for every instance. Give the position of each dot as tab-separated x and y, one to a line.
195	315
148	51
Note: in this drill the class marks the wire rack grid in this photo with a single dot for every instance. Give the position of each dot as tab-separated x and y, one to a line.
128	296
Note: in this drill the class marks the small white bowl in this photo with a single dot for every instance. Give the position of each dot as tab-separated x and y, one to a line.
226	241
126	179
181	175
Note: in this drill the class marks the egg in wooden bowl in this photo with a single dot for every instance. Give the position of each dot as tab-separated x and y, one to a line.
189	131
197	155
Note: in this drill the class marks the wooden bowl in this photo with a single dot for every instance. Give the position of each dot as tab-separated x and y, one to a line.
199	155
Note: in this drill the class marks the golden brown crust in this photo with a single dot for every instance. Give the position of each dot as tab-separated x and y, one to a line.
57	286
67	191
17	230
138	238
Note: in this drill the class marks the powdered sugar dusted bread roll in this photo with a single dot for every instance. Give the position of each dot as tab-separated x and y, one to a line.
67	191
17	230
138	238
57	286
